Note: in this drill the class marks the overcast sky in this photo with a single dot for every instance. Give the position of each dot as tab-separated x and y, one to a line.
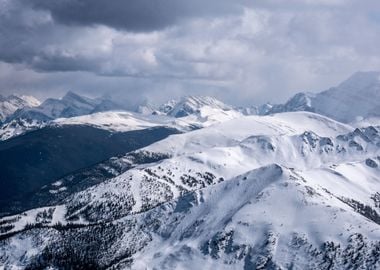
241	51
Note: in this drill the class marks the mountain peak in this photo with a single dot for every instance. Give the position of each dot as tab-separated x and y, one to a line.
191	104
80	101
12	103
361	79
203	101
71	95
356	97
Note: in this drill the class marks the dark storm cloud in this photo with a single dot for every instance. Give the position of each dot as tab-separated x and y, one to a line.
241	50
133	15
40	33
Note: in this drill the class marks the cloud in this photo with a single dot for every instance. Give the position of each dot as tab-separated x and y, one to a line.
133	15
238	51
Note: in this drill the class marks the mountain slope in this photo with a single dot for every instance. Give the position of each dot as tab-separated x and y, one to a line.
10	104
267	218
291	190
43	156
26	119
192	104
102	113
238	224
118	121
68	106
357	97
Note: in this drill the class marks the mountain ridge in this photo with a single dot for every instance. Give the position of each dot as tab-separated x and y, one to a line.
362	88
10	104
206	222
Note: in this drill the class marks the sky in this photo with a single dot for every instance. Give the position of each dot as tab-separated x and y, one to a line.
240	51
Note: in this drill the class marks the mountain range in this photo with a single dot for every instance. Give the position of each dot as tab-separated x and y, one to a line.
194	183
356	98
23	113
10	104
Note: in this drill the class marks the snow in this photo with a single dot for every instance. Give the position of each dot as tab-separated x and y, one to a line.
115	121
270	199
191	104
274	187
365	122
122	121
229	132
59	215
18	127
10	104
357	97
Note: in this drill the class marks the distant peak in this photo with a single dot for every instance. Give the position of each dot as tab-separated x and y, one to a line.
106	96
71	94
191	104
73	97
197	102
361	79
366	74
201	99
22	99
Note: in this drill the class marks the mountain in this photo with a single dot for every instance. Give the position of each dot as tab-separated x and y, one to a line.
31	118
10	104
114	121
196	112
190	105
42	156
290	190
18	127
105	114
120	121
356	98
68	106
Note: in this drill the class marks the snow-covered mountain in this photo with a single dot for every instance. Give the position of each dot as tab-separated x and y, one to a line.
191	105
117	121
68	106
198	112
186	114
189	113
292	186
121	121
10	104
291	190
27	118
356	98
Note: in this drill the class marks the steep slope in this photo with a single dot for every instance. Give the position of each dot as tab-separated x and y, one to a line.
266	219
45	155
356	98
238	224
10	104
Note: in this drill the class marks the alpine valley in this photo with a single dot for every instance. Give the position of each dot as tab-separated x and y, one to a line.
193	183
